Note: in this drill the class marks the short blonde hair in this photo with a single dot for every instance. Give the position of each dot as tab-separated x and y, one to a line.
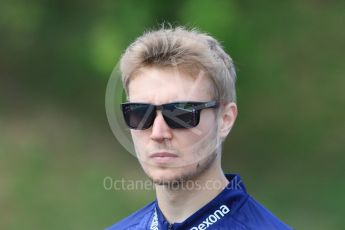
189	50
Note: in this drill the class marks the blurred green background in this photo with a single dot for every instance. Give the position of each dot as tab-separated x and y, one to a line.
56	146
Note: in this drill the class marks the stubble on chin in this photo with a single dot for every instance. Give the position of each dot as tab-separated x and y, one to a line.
192	171
187	173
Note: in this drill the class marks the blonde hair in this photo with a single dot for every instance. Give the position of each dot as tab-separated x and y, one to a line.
189	50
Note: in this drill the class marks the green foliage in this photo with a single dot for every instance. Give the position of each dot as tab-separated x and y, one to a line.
55	143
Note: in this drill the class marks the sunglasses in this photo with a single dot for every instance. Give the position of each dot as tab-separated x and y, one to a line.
178	115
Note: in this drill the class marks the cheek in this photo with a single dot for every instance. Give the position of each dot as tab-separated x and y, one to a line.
139	139
189	141
208	119
184	140
201	139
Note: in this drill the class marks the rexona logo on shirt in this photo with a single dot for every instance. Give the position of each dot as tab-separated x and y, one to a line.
213	218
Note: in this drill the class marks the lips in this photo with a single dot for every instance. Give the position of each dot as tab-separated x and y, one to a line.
163	157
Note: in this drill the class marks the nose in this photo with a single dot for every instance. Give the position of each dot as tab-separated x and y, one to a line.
160	129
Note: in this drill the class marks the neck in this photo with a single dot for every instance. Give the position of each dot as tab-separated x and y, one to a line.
177	204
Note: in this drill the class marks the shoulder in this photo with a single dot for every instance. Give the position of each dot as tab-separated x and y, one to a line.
253	215
136	220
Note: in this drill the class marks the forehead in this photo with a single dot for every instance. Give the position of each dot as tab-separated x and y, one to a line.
163	85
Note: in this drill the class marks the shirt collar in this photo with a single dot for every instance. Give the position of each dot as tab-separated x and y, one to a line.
225	202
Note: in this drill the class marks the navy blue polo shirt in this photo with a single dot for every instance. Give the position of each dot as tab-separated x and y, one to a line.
232	209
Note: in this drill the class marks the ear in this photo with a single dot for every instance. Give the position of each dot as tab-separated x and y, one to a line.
227	117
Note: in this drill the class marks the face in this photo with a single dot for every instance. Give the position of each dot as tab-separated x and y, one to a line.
171	155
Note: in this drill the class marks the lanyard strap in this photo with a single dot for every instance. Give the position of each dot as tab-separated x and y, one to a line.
154	223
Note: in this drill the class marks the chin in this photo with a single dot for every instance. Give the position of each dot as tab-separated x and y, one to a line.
165	176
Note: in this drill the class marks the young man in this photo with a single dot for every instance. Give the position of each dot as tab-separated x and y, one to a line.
181	90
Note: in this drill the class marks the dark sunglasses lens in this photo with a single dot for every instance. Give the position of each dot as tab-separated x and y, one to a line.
180	115
138	116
